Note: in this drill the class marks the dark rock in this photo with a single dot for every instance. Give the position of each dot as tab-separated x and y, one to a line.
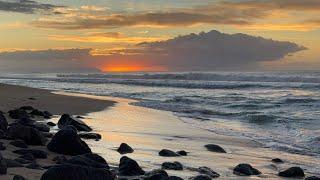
27	108
90	135
42	127
13	163
36	112
158	174
3	165
168	153
2	147
182	153
39	154
3	134
67	141
32	98
18	114
51	124
30	135
215	148
26	121
172	166
74	172
34	165
129	167
18	177
28	156
19	143
201	177
208	171
23	161
79	117
292	172
91	160
124	148
3	122
47	113
48	134
66	120
174	178
245	170
277	160
60	159
312	178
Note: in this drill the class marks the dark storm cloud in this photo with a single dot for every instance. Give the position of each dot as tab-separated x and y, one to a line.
204	51
27	6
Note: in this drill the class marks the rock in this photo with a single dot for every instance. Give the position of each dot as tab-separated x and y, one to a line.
201	177
27	108
51	124
124	148
90	160
277	160
13	163
30	135
168	153
26	121
74	172
67	142
3	165
2	147
39	154
48	134
215	148
174	178
18	114
3	122
23	161
47	113
158	174
66	120
95	136
18	177
208	171
245	170
34	165
3	134
36	112
182	153
60	159
19	143
41	127
312	178
129	167
292	172
28	156
172	166
79	117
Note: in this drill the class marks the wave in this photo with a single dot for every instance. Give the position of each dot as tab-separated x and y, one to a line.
299	100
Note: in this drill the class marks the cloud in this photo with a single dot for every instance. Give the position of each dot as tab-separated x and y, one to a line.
27	7
237	13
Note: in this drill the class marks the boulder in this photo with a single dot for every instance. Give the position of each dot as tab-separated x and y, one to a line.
95	136
168	153
182	153
34	165
18	177
74	172
19	143
245	170
215	148
172	166
36	112
51	124
3	165
26	108
312	178
201	177
174	178
208	171
28	156
29	135
39	154
157	174
67	142
66	120
129	167
42	127
124	148
3	122
18	114
13	163
48	134
277	160
90	160
60	159
2	147
22	161
293	172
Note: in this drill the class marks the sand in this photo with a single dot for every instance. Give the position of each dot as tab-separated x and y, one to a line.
148	131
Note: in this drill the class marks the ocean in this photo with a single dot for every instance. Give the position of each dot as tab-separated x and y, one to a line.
279	109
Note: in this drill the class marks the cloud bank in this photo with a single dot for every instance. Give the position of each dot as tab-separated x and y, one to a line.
27	7
205	51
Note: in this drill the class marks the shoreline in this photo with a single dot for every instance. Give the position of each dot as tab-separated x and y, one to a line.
149	131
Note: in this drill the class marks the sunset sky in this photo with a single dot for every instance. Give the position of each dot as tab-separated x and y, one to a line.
159	35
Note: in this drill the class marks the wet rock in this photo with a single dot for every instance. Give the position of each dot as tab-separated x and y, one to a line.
18	177
19	143
158	174
174	178
48	134
27	108
22	161
201	177
208	171
39	154
3	122
124	148
47	113
277	160
67	142
41	127
36	112
26	121
129	167
2	147
60	159
66	120
245	170
13	163
215	148
18	114
3	165
74	172
168	153
3	135
28	156
28	134
90	160
95	136
312	178
295	172
51	124
182	153
172	166
34	165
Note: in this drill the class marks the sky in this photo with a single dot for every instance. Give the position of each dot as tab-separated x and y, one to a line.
159	35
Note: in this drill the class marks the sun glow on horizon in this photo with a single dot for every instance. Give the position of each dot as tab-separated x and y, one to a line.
129	68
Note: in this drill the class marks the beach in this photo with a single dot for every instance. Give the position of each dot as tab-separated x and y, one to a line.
147	131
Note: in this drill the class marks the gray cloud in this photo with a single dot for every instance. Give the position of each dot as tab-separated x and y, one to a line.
205	51
27	6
